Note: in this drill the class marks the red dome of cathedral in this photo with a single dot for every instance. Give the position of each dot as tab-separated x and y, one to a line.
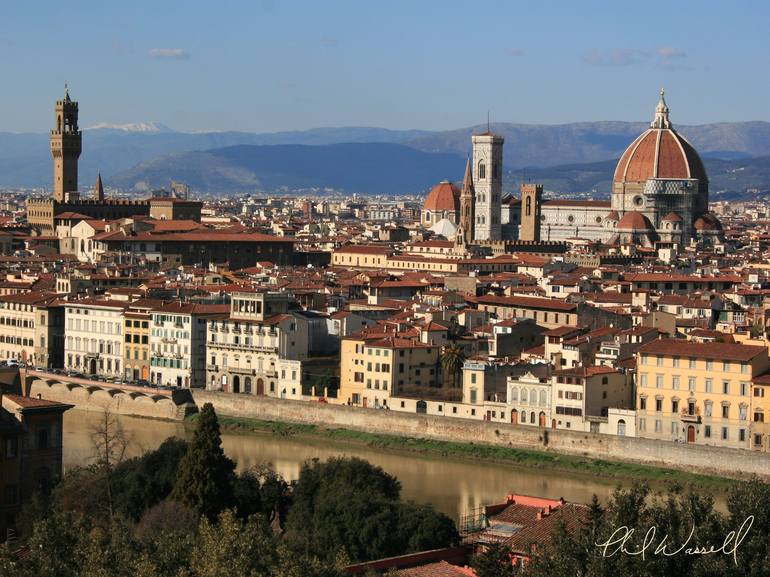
633	220
443	196
660	152
707	222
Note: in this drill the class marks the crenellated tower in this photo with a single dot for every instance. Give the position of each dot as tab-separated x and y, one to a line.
66	145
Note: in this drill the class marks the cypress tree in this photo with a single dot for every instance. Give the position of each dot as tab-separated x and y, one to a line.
205	477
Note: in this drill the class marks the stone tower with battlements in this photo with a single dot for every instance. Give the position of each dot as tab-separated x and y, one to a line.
487	184
66	145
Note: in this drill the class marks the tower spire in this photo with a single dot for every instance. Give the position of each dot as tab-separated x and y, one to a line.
661	113
98	188
468	179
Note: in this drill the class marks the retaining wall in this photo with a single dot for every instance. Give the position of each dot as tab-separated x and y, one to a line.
729	462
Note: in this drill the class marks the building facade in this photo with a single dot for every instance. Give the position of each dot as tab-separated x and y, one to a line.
94	337
697	392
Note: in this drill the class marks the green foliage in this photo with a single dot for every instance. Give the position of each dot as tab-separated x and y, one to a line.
452	359
349	505
205	477
233	547
494	562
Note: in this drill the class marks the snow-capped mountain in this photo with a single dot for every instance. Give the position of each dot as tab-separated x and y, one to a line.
147	127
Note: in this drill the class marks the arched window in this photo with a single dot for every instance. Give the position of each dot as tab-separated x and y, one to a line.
543	397
621	428
528	209
482	170
523	395
514	394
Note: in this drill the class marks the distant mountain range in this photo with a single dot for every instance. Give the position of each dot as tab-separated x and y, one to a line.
368	167
153	154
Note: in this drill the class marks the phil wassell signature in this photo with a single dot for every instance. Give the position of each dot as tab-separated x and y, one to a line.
619	542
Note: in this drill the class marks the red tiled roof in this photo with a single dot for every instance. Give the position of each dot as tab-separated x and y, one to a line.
717	351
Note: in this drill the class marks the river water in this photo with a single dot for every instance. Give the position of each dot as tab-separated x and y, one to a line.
452	486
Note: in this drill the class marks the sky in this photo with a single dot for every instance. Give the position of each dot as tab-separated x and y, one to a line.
274	65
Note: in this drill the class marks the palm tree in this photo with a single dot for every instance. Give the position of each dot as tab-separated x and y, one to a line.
452	359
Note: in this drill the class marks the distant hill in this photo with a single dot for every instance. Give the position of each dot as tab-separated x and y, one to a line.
730	177
25	159
362	167
582	142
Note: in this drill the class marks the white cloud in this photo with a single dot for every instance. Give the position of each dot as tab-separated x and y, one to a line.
671	58
175	53
615	57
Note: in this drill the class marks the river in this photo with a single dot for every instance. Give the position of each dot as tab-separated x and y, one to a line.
452	486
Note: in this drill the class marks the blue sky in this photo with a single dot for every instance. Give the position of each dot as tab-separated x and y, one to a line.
268	65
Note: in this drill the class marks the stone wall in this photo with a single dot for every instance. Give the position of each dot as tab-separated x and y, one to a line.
730	462
94	398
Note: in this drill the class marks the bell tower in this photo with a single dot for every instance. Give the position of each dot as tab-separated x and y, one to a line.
467	212
66	145
487	184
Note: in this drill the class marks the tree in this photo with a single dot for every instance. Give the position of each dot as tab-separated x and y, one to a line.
110	444
494	562
234	547
452	359
205	479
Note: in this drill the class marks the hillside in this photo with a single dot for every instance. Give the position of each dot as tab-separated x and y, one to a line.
25	159
366	168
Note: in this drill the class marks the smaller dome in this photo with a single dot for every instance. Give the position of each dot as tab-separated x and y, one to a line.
707	222
445	228
443	196
633	220
613	215
672	217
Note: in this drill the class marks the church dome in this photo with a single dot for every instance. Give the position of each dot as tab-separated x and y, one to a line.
445	196
633	220
660	152
672	217
707	222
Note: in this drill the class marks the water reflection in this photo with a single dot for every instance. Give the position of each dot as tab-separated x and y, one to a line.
452	486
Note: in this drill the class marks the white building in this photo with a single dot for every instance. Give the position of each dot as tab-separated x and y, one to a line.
246	348
178	343
93	338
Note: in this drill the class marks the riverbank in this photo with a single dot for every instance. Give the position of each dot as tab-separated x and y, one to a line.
476	452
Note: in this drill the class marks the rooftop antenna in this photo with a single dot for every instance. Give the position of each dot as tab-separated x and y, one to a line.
488	121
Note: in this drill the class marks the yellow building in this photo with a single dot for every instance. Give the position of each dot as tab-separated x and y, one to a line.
373	369
697	392
760	413
136	347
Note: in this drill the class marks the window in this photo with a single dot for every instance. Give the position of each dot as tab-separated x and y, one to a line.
725	434
759	416
674	406
642	424
744	368
674	427
725	367
759	392
675	382
744	389
708	408
691	384
658	426
659	381
726	387
707	431
675	362
659	361
709	365
473	396
692	363
725	411
643	380
757	440
658	405
473	378
709	385
643	403
743	411
482	170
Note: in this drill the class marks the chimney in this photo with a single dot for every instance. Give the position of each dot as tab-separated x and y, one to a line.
539	515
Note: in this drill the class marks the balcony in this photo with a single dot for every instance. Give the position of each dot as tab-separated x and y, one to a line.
690	416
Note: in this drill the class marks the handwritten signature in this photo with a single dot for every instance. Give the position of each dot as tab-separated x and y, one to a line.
618	543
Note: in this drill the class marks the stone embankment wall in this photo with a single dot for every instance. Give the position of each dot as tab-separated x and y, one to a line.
729	462
90	396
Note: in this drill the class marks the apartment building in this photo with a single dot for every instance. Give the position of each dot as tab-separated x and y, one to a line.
32	328
245	347
178	343
94	337
30	452
697	392
375	368
583	397
137	344
760	413
529	397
